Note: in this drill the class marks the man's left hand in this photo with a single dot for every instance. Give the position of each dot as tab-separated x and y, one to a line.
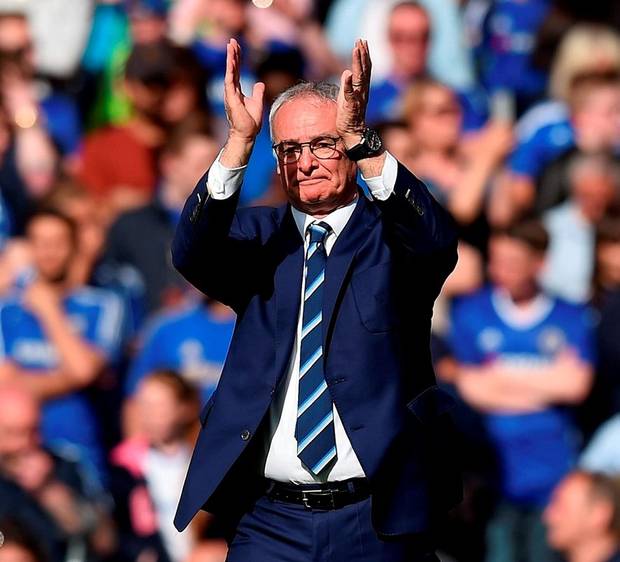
353	97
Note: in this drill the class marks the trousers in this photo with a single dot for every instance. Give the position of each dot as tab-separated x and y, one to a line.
276	531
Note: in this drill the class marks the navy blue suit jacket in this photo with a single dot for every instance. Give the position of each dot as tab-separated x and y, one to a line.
383	273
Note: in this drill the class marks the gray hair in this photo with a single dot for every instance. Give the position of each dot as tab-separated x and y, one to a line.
323	91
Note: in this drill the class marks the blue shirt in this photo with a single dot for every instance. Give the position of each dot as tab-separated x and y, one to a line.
97	317
386	98
534	450
546	144
509	39
192	342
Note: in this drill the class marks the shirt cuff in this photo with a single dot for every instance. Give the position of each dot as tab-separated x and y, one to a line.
223	182
381	187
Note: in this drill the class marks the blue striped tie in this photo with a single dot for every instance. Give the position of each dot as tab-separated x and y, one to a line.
316	443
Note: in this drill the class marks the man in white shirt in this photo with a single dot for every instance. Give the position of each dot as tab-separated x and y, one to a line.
327	437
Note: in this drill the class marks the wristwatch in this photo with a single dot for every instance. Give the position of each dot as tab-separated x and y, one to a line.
369	145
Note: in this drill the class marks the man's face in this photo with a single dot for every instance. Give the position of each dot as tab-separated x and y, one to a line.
408	35
186	167
19	426
597	121
574	515
513	266
52	247
313	185
593	192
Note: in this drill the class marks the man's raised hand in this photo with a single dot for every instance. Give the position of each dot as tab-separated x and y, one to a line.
244	113
353	97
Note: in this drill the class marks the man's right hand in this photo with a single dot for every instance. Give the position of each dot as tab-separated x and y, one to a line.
244	113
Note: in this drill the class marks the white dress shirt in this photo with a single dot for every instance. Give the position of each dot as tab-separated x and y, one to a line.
282	463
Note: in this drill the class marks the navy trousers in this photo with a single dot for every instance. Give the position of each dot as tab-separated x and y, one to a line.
275	531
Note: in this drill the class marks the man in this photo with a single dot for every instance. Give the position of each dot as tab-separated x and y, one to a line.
56	339
140	238
329	401
583	518
524	356
594	181
537	169
45	492
409	30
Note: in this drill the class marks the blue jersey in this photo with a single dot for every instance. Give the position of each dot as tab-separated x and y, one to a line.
509	38
546	144
96	315
534	450
192	342
386	98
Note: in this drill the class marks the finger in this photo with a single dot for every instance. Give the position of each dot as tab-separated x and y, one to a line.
237	65
346	84
366	62
258	92
356	63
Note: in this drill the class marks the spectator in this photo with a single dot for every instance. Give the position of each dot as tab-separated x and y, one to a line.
51	485
583	518
508	42
150	468
595	127
409	31
56	338
523	356
584	49
119	161
189	149
595	185
24	98
458	175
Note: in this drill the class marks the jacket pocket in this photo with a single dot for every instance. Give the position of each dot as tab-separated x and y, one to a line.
430	404
206	410
371	292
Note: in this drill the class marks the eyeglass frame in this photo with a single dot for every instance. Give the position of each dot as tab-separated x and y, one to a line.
309	144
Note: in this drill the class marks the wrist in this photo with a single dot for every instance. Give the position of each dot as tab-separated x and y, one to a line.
237	151
350	139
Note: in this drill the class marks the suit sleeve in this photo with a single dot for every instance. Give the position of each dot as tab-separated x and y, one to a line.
419	226
211	250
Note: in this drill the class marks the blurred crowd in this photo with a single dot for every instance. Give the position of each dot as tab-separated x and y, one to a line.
111	111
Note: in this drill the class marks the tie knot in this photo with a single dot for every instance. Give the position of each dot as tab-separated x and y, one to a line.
318	231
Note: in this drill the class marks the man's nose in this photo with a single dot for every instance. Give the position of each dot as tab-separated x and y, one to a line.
307	161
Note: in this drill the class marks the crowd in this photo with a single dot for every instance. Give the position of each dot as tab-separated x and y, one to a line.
111	110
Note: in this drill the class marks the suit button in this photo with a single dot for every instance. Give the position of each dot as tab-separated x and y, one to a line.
245	434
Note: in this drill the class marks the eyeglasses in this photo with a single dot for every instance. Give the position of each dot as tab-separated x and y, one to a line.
322	147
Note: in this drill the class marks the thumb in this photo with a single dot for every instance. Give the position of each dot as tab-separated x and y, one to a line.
258	91
346	83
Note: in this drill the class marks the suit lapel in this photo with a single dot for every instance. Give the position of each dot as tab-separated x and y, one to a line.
287	289
341	257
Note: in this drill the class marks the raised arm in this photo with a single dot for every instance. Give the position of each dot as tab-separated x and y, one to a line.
416	220
209	249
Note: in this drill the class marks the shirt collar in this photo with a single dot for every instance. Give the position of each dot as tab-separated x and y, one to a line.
337	219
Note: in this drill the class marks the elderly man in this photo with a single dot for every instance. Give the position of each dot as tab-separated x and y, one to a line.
327	438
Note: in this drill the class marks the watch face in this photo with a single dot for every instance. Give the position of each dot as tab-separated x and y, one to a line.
373	140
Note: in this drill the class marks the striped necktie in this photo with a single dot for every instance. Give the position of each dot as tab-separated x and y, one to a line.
316	443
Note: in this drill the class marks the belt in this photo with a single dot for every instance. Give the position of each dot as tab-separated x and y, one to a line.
328	496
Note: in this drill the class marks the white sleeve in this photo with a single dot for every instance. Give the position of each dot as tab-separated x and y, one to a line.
382	186
223	182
